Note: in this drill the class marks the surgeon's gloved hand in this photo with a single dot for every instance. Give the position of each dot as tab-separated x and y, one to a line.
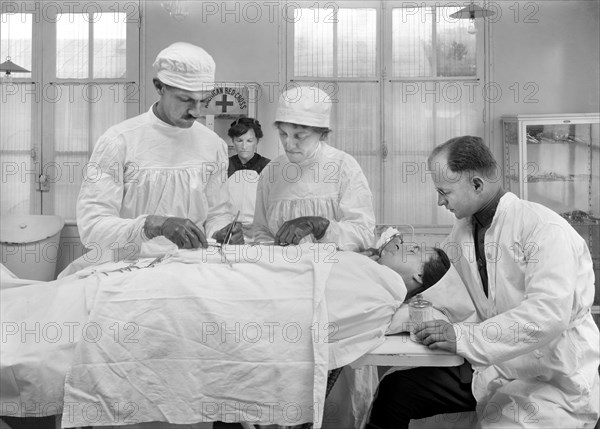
183	232
237	234
292	231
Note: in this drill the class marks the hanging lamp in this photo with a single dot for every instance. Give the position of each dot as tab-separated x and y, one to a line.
472	12
8	67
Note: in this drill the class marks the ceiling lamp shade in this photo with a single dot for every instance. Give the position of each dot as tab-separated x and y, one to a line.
471	12
9	68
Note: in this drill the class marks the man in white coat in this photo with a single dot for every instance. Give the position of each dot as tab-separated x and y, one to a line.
535	347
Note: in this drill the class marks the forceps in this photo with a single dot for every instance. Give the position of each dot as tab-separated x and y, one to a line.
227	239
230	230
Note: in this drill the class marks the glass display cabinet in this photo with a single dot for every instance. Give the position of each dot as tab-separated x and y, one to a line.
555	160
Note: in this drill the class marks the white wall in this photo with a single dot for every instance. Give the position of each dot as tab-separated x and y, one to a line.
558	57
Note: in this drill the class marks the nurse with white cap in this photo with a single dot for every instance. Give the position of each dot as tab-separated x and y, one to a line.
313	192
158	180
317	193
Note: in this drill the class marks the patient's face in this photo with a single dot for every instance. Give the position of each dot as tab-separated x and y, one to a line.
404	258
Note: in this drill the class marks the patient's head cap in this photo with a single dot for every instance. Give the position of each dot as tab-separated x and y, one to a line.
304	105
185	66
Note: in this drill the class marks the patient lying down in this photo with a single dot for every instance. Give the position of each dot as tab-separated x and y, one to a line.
194	339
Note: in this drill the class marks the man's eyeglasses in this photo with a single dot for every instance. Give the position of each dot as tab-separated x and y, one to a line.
395	238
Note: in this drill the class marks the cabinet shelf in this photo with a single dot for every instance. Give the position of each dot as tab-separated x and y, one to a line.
584	223
553	178
546	140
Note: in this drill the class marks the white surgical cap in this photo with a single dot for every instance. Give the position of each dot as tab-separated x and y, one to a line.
185	66
303	105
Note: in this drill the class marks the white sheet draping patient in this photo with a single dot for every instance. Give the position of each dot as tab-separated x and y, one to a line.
194	339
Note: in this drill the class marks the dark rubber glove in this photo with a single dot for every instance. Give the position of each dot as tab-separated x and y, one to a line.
237	234
292	231
183	232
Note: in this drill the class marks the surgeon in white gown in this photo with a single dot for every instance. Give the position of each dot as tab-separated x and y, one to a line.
313	192
317	193
157	181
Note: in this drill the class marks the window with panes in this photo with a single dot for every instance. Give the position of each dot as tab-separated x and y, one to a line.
84	63
404	77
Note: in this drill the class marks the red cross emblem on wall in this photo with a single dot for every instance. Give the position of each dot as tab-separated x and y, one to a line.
224	103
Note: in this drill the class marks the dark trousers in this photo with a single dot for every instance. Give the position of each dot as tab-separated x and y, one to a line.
30	422
421	392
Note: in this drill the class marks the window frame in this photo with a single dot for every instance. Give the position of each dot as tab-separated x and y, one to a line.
389	80
289	35
44	30
49	74
24	7
385	78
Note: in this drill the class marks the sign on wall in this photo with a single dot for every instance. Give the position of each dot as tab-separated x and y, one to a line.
232	100
228	102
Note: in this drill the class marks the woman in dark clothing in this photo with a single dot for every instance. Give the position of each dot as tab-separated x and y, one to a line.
245	134
245	167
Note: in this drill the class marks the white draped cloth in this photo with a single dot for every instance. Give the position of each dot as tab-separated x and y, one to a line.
193	338
330	184
144	166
